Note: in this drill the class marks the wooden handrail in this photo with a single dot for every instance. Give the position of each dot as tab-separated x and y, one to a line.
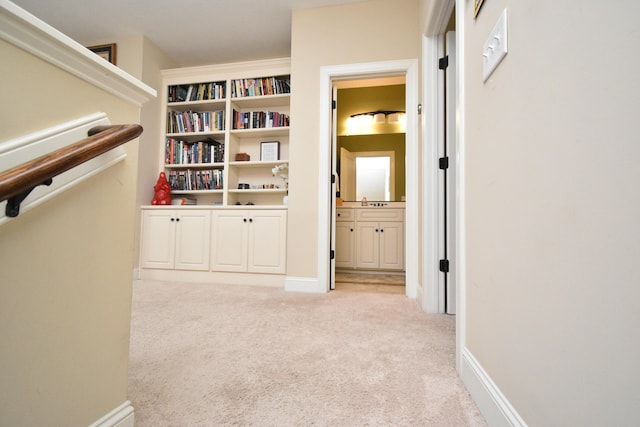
16	183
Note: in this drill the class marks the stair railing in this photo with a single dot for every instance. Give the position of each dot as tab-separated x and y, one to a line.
16	183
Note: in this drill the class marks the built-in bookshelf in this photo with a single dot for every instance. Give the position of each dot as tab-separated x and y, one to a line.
226	132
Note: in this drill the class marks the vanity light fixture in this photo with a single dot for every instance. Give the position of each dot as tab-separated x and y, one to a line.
381	116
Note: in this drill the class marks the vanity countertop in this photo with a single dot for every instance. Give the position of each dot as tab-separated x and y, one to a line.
372	205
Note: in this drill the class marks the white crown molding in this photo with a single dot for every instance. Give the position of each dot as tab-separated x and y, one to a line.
236	70
33	35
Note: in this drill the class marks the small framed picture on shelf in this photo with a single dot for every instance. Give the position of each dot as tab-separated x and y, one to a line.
270	151
105	51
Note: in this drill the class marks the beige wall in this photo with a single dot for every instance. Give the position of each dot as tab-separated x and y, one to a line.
65	266
373	98
140	57
385	30
151	143
552	210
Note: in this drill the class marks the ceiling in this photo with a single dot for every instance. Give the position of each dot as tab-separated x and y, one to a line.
192	32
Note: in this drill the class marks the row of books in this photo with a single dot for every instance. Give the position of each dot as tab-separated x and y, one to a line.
197	92
259	119
189	121
182	152
259	87
188	180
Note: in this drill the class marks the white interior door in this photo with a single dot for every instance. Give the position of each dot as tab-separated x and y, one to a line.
450	112
332	204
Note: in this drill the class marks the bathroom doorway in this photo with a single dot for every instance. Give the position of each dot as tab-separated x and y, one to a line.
368	157
329	75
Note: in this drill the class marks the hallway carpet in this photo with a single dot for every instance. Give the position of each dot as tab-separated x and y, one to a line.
210	355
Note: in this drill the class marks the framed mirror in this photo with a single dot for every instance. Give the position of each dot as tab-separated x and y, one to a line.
369	174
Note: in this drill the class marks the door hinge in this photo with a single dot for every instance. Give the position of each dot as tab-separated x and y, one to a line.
333	178
444	265
332	254
443	163
419	109
334	104
443	63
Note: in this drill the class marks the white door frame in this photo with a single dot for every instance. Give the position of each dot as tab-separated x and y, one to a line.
437	18
432	87
326	194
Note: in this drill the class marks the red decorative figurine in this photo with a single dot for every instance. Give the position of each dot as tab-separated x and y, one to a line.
162	189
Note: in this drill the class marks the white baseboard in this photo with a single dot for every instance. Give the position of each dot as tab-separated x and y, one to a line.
212	277
304	284
122	416
493	405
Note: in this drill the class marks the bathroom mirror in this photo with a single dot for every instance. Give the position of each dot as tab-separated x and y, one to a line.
369	174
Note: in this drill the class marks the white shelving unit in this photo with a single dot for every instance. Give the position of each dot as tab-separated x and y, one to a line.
264	189
236	232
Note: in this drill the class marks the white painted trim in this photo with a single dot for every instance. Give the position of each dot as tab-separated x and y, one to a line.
234	70
304	284
493	405
409	68
432	84
20	150
122	416
29	33
437	14
213	278
460	194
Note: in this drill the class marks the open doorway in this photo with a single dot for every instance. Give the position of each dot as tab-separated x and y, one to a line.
329	75
369	161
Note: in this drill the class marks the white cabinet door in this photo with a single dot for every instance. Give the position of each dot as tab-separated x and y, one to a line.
192	240
380	245
229	234
391	245
158	239
345	244
173	239
249	241
367	244
267	242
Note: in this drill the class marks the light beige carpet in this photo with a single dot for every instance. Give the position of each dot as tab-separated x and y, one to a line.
210	355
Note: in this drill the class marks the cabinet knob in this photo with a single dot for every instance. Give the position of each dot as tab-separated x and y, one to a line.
376	230
351	229
173	219
250	219
244	219
177	219
381	230
338	214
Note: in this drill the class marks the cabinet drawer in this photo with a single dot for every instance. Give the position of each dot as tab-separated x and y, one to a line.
379	214
344	214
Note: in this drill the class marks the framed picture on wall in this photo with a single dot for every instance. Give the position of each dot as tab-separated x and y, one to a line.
105	51
477	4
